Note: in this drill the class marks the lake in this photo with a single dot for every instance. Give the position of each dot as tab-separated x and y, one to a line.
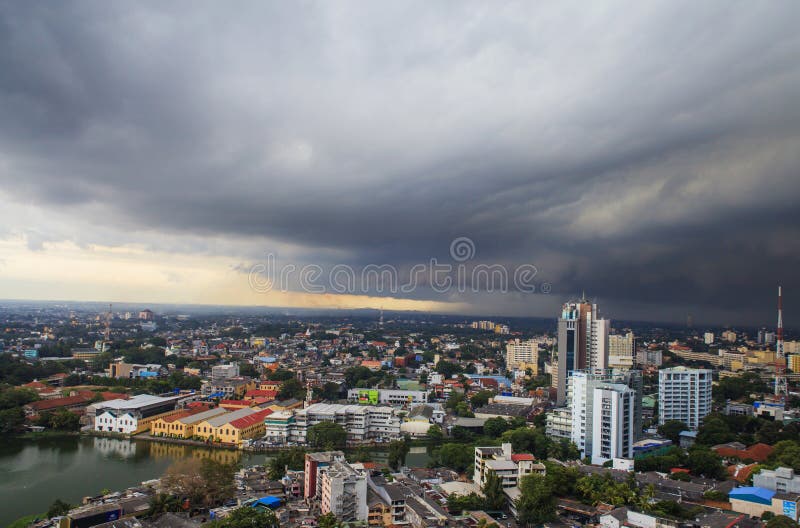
34	473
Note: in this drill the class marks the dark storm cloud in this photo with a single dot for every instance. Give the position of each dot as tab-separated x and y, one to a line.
645	153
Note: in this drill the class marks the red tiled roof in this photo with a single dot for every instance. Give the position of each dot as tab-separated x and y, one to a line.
249	420
37	386
114	396
57	403
522	456
256	393
758	452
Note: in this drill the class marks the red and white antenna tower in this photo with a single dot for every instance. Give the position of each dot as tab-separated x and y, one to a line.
781	387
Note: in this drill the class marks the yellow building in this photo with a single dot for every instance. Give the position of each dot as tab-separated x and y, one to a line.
251	426
794	362
182	426
268	385
214	429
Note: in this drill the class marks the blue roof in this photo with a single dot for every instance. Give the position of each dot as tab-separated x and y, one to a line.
752	494
269	501
264	359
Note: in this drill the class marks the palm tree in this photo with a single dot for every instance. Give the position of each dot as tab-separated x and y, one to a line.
163	503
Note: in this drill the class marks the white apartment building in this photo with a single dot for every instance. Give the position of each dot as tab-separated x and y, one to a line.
344	492
597	330
708	338
582	406
523	355
279	427
621	349
508	466
388	396
612	423
684	394
362	422
221	373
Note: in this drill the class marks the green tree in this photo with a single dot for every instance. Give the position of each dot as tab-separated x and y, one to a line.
494	427
453	456
786	453
328	520
293	458
705	463
204	483
327	435
671	429
537	503
481	398
781	521
58	508
493	491
247	517
398	450
292	388
163	503
435	434
458	503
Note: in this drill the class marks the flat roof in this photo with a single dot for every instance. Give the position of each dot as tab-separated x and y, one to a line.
141	400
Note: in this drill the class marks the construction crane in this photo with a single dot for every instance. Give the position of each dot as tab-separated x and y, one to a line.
781	385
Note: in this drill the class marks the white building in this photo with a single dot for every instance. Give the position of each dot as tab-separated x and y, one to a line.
362	422
509	467
621	350
220	373
684	395
388	396
523	355
597	330
344	492
612	423
279	427
708	338
582	391
123	416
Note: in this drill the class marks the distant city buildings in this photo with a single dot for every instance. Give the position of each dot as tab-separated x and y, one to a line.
684	395
621	349
523	355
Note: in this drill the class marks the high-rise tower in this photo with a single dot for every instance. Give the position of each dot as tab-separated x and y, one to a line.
582	342
781	386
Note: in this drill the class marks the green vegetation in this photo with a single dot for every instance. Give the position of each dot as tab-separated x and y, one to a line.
327	435
205	484
398	450
58	508
293	458
60	420
246	517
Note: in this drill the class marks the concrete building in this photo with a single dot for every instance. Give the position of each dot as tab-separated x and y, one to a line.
621	349
315	464
582	342
362	422
649	358
782	479
127	416
387	396
613	419
708	338
523	355
509	467
625	421
220	373
279	427
684	395
344	492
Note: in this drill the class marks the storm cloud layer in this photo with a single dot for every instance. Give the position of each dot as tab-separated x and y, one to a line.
646	153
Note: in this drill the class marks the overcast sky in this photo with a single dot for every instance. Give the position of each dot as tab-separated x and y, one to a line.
645	152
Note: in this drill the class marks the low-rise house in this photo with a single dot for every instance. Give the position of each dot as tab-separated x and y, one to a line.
133	415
